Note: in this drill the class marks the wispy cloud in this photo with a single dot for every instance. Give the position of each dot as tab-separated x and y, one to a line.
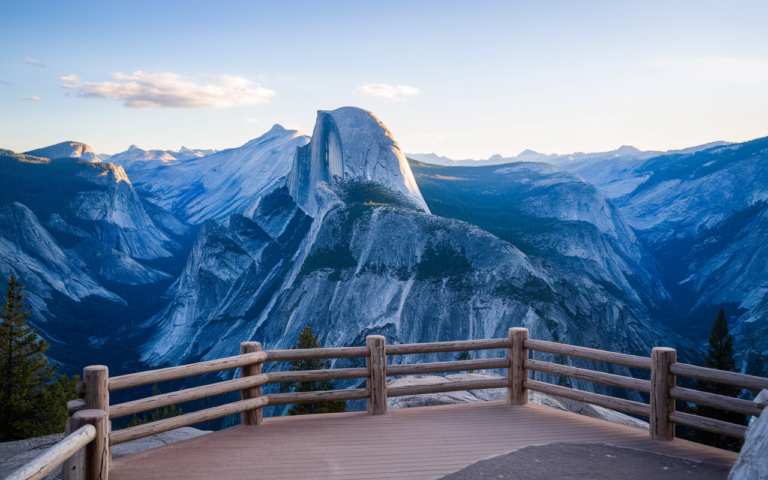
251	120
740	70
285	78
389	92
431	135
32	61
4	83
31	99
169	90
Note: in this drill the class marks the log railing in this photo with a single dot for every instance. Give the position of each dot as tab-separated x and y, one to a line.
86	452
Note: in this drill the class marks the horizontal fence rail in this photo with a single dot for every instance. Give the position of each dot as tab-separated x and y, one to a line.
595	399
730	404
590	375
94	407
589	353
708	424
173	373
47	462
447	387
441	367
438	347
740	380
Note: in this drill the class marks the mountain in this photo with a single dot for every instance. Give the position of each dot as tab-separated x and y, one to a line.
77	235
217	185
136	159
611	172
347	244
703	216
66	149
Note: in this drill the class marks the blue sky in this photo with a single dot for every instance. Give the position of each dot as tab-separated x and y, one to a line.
462	79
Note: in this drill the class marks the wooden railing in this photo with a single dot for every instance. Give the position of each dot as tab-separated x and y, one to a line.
92	462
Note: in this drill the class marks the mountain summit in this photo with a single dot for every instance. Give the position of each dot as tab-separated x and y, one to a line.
351	144
66	149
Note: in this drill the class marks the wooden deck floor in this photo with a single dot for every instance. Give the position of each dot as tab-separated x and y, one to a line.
414	443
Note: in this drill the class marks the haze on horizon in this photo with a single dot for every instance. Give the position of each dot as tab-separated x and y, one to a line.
461	80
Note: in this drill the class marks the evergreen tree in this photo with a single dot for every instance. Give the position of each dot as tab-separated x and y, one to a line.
719	356
31	402
307	340
158	414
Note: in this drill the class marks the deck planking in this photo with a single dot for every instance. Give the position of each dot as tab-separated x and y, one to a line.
413	443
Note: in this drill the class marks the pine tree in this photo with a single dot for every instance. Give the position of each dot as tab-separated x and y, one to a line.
31	403
719	356
156	415
307	340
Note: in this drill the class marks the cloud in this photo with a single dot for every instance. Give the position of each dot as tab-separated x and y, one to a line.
285	78
32	99
4	83
251	120
32	61
429	135
387	91
169	90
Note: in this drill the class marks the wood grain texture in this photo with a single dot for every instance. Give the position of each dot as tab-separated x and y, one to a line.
73	468
172	373
587	397
141	431
315	375
181	396
313	397
458	346
97	452
740	380
315	353
662	404
376	404
717	401
250	417
708	424
589	354
439	367
411	443
447	387
96	379
47	461
517	373
602	378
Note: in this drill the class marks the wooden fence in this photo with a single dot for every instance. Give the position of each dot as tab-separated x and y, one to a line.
86	451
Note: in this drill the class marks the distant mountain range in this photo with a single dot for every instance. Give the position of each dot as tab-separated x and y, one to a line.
570	161
160	258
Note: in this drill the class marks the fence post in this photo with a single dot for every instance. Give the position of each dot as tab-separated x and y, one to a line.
661	403
96	382
251	417
517	394
73	468
97	452
377	374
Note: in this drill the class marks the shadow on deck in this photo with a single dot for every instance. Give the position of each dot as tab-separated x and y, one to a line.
414	443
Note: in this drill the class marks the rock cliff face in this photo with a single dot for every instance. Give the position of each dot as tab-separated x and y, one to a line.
370	259
214	186
351	144
66	149
703	216
76	235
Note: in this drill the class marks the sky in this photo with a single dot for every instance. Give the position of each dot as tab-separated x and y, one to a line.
461	79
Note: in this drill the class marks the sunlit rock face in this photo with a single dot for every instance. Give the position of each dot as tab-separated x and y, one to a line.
351	144
66	149
197	189
348	246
